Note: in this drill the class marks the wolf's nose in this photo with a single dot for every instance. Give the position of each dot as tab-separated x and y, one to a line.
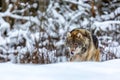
72	49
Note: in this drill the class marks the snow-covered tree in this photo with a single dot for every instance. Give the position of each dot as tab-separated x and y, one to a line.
34	31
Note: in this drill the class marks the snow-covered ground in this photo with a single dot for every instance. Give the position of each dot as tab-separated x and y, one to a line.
109	70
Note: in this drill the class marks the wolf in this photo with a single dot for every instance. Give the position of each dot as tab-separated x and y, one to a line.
83	46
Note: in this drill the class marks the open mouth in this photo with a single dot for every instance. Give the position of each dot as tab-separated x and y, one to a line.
72	53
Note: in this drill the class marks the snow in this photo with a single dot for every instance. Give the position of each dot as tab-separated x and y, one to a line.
80	2
56	25
25	31
111	15
29	18
114	49
104	25
108	70
4	26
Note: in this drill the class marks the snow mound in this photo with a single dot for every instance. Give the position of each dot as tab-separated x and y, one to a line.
108	70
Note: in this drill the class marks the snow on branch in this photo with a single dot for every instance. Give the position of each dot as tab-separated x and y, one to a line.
4	26
112	15
74	16
29	18
103	25
79	3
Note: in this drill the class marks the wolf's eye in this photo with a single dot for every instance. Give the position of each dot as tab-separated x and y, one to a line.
76	45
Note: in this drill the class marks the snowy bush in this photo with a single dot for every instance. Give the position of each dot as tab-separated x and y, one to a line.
108	39
35	31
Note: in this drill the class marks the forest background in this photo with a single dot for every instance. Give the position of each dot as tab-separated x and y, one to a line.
34	31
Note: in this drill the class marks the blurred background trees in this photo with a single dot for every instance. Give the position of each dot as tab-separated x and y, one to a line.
34	31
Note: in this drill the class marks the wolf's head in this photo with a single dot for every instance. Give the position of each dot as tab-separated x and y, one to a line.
78	41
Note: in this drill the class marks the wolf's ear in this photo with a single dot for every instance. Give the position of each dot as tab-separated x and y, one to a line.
79	35
68	34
